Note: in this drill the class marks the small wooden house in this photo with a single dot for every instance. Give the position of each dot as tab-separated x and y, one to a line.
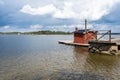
83	36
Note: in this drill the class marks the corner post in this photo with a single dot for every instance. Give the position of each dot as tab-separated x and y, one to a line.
85	29
110	35
85	26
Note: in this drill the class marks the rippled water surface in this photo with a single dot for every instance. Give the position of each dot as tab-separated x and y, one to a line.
40	57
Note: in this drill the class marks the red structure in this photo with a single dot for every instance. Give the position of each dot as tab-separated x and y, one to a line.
83	36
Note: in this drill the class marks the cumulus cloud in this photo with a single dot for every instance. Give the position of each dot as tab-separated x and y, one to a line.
80	9
6	28
36	27
66	28
67	11
93	9
38	11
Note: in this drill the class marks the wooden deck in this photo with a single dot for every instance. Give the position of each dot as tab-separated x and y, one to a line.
108	47
68	42
116	40
105	47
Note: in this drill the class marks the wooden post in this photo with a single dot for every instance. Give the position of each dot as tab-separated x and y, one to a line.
96	35
110	35
85	26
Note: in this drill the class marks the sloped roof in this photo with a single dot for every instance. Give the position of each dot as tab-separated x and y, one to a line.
81	31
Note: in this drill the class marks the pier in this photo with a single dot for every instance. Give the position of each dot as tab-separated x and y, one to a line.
97	41
106	46
68	42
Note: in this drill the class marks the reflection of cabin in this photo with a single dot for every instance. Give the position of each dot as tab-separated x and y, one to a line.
83	36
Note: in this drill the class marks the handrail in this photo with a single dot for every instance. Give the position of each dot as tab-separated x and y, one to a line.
103	34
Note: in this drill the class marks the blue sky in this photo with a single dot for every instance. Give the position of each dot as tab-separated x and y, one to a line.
58	15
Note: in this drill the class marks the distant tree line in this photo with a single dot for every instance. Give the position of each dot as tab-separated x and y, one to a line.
46	32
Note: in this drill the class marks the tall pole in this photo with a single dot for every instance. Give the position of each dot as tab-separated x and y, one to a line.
110	35
85	26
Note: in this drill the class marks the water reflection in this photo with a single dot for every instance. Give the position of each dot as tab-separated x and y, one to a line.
103	65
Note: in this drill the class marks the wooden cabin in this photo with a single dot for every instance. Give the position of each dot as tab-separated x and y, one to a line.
83	36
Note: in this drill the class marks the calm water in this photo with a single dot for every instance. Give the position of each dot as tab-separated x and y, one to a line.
40	57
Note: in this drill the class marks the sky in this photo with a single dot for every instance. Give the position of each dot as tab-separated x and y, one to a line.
59	15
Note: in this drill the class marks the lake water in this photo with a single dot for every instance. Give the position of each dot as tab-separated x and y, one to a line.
41	57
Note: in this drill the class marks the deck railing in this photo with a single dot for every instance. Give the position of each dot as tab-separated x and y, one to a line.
102	34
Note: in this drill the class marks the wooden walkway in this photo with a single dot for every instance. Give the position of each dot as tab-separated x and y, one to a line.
108	47
116	40
68	42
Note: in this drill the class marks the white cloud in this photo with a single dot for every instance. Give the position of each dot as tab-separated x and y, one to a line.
67	11
67	27
6	27
38	11
36	27
92	9
80	9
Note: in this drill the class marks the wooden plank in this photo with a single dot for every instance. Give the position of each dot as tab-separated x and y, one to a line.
103	47
68	42
102	42
116	40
